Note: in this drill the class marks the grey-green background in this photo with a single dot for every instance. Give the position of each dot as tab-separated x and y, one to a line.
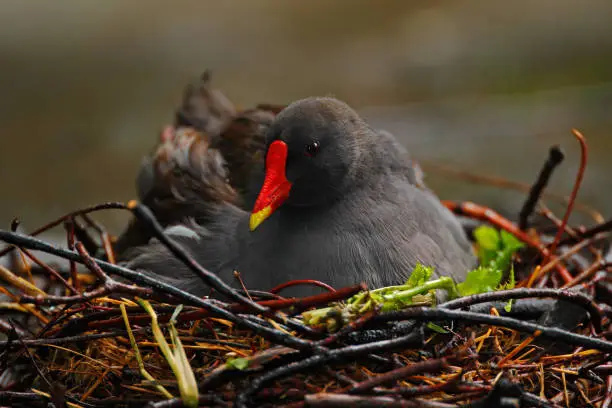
85	85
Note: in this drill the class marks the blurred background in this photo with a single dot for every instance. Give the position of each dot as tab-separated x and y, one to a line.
475	85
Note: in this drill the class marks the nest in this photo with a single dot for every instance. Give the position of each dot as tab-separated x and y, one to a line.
91	333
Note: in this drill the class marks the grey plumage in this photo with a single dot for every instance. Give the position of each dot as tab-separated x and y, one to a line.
356	212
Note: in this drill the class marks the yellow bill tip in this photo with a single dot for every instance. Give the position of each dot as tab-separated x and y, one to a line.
258	217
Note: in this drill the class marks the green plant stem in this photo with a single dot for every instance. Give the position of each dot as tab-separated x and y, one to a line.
189	392
141	367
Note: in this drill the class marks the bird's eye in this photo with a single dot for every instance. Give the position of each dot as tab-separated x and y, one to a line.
312	149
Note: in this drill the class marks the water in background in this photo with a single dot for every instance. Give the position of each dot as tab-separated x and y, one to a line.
486	86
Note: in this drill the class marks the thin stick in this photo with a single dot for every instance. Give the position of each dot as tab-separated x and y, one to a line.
572	199
555	157
73	269
50	270
421	313
55	223
523	293
104	237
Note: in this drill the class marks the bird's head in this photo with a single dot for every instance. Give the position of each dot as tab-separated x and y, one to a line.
312	150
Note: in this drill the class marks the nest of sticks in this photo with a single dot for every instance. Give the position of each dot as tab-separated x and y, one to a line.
86	332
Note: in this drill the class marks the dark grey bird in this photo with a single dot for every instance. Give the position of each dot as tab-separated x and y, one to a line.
340	203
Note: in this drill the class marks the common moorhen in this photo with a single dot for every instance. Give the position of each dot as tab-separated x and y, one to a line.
340	201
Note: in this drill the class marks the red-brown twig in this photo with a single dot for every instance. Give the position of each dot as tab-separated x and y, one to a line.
104	237
109	285
312	282
572	199
403	372
587	273
50	271
6	327
244	288
73	268
608	401
330	400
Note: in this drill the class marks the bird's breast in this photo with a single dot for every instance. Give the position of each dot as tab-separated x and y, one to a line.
337	251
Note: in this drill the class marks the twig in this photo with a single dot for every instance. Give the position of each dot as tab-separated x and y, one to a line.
82	234
587	273
523	293
547	213
428	366
312	282
69	224
343	400
258	359
19	282
603	227
51	271
554	263
535	401
608	401
13	398
7	327
426	314
555	157
93	208
330	356
449	387
104	237
572	199
244	288
109	286
32	361
71	339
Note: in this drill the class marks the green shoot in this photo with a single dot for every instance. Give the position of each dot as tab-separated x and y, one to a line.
141	366
177	360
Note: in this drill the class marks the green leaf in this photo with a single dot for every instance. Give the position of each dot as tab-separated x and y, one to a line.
419	276
495	252
511	281
489	243
509	246
510	241
480	280
436	328
237	363
487	237
508	306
